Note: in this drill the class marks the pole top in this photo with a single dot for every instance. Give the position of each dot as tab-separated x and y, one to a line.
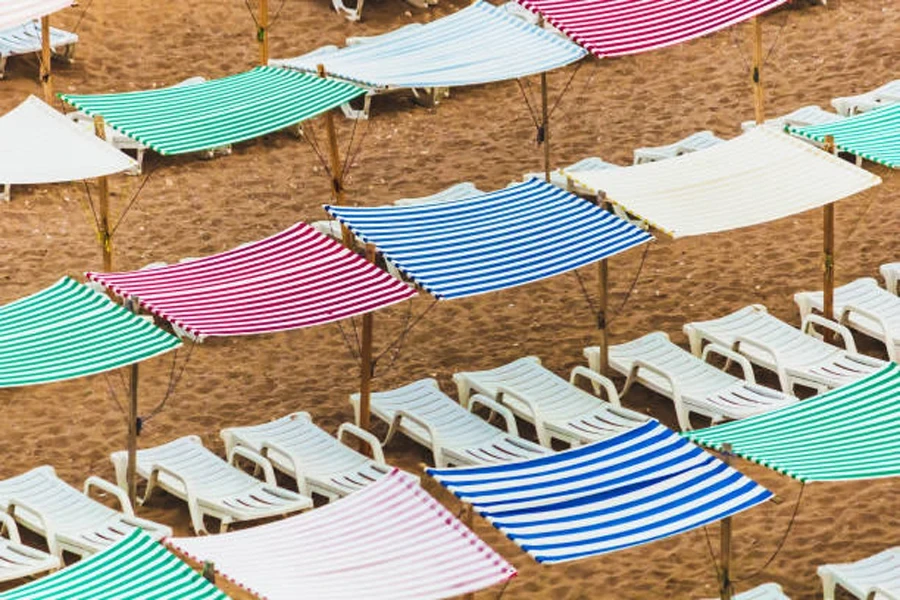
320	69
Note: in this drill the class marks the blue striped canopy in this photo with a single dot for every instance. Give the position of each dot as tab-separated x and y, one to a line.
643	485
494	241
479	44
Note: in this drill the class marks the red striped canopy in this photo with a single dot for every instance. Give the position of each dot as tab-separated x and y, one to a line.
296	278
619	27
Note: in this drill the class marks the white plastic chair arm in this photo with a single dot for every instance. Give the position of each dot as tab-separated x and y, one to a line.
437	447
191	498
361	434
266	448
597	378
880	593
109	488
741	340
674	388
889	334
504	391
845	334
46	522
256	459
7	522
508	417
724	352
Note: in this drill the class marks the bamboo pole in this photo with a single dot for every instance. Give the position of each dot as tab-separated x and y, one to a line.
131	467
337	175
828	254
602	326
263	34
366	366
103	183
545	127
46	82
209	571
758	106
726	586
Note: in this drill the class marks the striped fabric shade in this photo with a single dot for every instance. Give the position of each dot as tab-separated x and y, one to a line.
619	27
640	486
68	330
387	541
478	44
852	432
16	12
218	112
874	135
494	241
137	568
296	278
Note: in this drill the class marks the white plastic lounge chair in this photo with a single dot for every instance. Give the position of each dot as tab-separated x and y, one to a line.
877	576
355	13
26	39
864	306
803	116
796	355
18	560
889	93
766	591
454	435
209	485
561	180
70	520
891	274
457	191
556	407
319	462
692	143
691	383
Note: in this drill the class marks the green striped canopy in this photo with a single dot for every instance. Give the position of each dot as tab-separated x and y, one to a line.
69	330
849	433
874	135
218	112
137	568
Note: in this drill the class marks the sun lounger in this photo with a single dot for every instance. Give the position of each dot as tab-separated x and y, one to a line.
891	274
557	408
806	115
691	383
766	591
457	191
889	93
454	435
26	39
18	560
796	355
877	576
319	462
354	13
692	143
561	180
864	306
79	524
209	485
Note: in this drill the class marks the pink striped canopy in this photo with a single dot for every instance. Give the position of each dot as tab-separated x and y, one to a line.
388	541
296	278
618	27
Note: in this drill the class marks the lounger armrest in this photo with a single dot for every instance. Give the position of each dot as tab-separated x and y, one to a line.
889	334
46	523
437	448
681	411
504	391
596	379
877	592
109	488
363	435
192	500
266	448
9	523
498	408
810	320
724	352
257	459
740	340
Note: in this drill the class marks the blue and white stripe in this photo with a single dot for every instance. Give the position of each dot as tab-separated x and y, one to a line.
493	241
479	44
643	485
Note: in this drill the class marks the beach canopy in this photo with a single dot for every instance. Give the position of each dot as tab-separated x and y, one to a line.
16	12
493	241
874	135
136	568
619	27
478	44
852	432
69	330
296	278
643	485
389	540
217	112
40	145
754	178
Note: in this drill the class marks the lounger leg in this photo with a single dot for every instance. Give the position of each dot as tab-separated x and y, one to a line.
2	67
828	586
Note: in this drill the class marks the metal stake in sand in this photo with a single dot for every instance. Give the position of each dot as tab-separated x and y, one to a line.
262	35
828	252
726	587
45	59
756	76
103	183
131	467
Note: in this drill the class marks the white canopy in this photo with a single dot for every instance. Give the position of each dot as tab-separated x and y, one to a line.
757	177
16	12
40	145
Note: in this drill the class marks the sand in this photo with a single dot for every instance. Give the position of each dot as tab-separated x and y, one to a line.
192	207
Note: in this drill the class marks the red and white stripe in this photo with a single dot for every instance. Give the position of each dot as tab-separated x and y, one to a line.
297	278
618	27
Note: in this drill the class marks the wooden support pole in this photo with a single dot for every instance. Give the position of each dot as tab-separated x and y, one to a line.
828	255
131	467
468	516
263	34
758	106
545	127
366	366
104	233
209	571
726	586
337	175
602	325
46	81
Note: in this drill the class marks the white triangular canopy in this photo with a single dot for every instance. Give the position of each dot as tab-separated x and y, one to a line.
16	12
40	145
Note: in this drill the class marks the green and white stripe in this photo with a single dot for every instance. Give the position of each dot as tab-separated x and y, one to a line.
218	112
874	135
850	433
69	330
137	568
